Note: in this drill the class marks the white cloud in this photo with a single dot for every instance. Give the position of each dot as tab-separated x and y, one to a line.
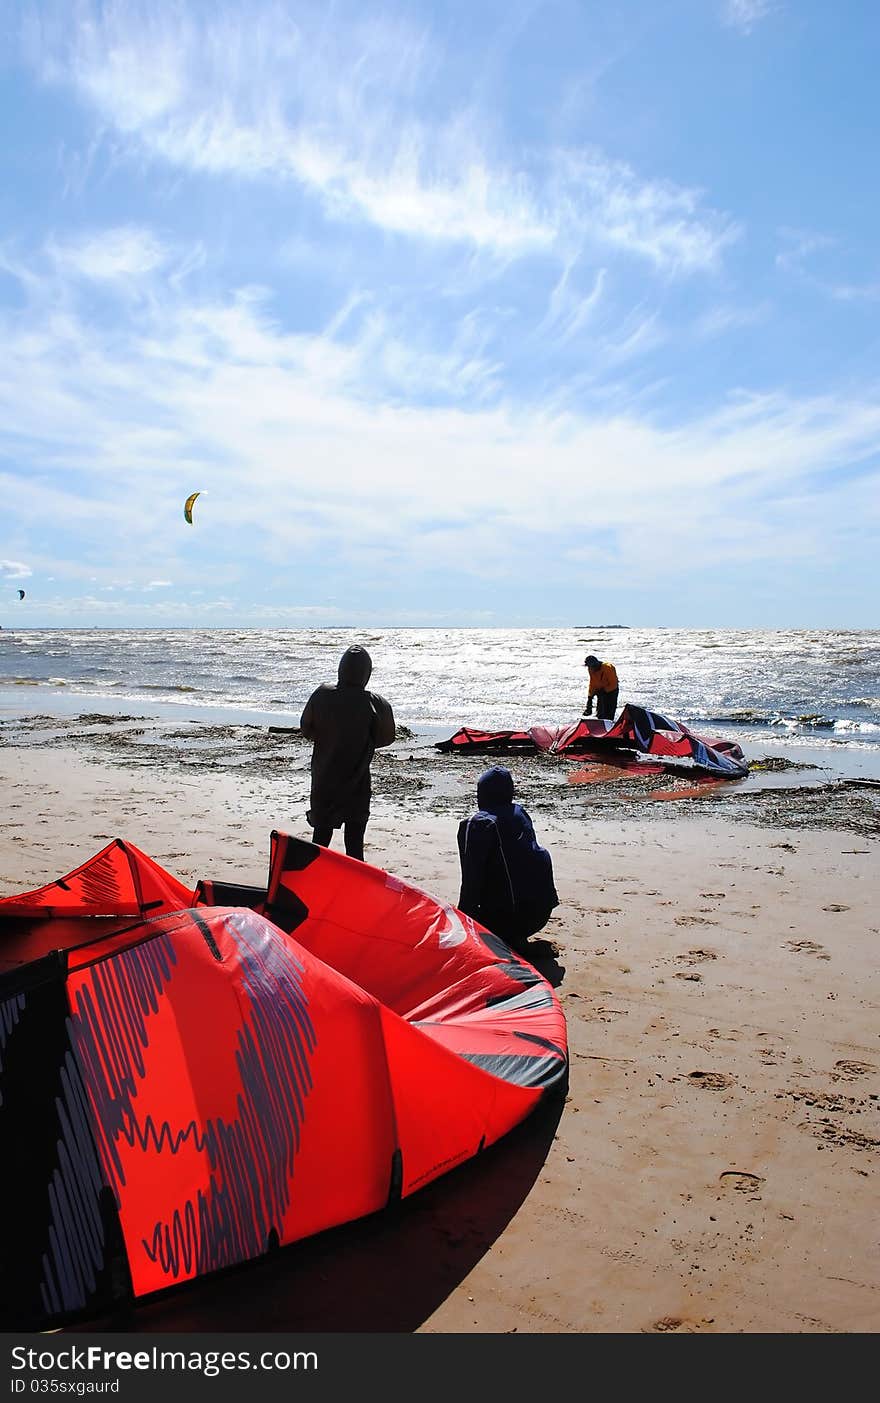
656	220
856	292
111	255
108	47
800	244
306	456
335	111
745	14
14	570
802	251
568	310
717	321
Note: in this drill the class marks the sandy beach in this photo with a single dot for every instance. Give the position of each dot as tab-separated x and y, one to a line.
713	1168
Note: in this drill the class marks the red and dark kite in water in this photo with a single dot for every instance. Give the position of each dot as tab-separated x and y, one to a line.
190	1079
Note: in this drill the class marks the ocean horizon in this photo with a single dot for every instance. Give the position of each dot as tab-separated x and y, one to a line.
796	689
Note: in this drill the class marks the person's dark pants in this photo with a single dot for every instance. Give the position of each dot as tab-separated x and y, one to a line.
606	705
354	837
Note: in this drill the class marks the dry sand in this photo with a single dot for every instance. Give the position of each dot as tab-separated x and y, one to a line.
714	1167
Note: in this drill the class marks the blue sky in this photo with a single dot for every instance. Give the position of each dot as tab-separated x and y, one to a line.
516	312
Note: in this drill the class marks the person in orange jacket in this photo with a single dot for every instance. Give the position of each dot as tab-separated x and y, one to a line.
603	686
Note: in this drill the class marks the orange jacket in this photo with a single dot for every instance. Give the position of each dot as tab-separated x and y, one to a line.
602	679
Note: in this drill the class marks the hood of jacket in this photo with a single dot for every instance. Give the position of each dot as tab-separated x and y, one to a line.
355	666
494	789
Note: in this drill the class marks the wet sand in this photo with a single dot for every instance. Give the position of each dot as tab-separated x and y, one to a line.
713	1168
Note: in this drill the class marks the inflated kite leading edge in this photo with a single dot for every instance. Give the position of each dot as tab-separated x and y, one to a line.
190	1079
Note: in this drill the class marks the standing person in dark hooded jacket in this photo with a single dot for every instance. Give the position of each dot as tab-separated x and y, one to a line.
346	724
506	876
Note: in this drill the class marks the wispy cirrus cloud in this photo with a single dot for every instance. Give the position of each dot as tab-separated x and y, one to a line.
719	320
744	15
798	246
803	248
856	292
656	220
14	570
568	309
111	255
302	451
413	298
333	108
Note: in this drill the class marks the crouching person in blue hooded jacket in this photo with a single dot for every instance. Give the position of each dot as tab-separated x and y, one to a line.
506	876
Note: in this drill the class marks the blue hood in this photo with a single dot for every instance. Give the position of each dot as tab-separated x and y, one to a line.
494	789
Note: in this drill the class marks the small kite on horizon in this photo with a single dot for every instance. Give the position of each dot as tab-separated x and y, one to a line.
21	594
188	507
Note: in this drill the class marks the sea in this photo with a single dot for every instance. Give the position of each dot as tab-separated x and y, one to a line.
799	693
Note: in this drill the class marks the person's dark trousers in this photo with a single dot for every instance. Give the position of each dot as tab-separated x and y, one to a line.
606	705
354	838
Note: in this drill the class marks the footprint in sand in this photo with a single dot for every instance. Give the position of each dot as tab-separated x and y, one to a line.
806	947
694	921
833	1134
716	1081
822	1100
690	974
715	895
741	1180
676	1325
847	1068
835	906
693	957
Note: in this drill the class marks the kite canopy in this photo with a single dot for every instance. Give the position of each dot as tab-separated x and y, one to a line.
188	506
21	594
635	730
190	1079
